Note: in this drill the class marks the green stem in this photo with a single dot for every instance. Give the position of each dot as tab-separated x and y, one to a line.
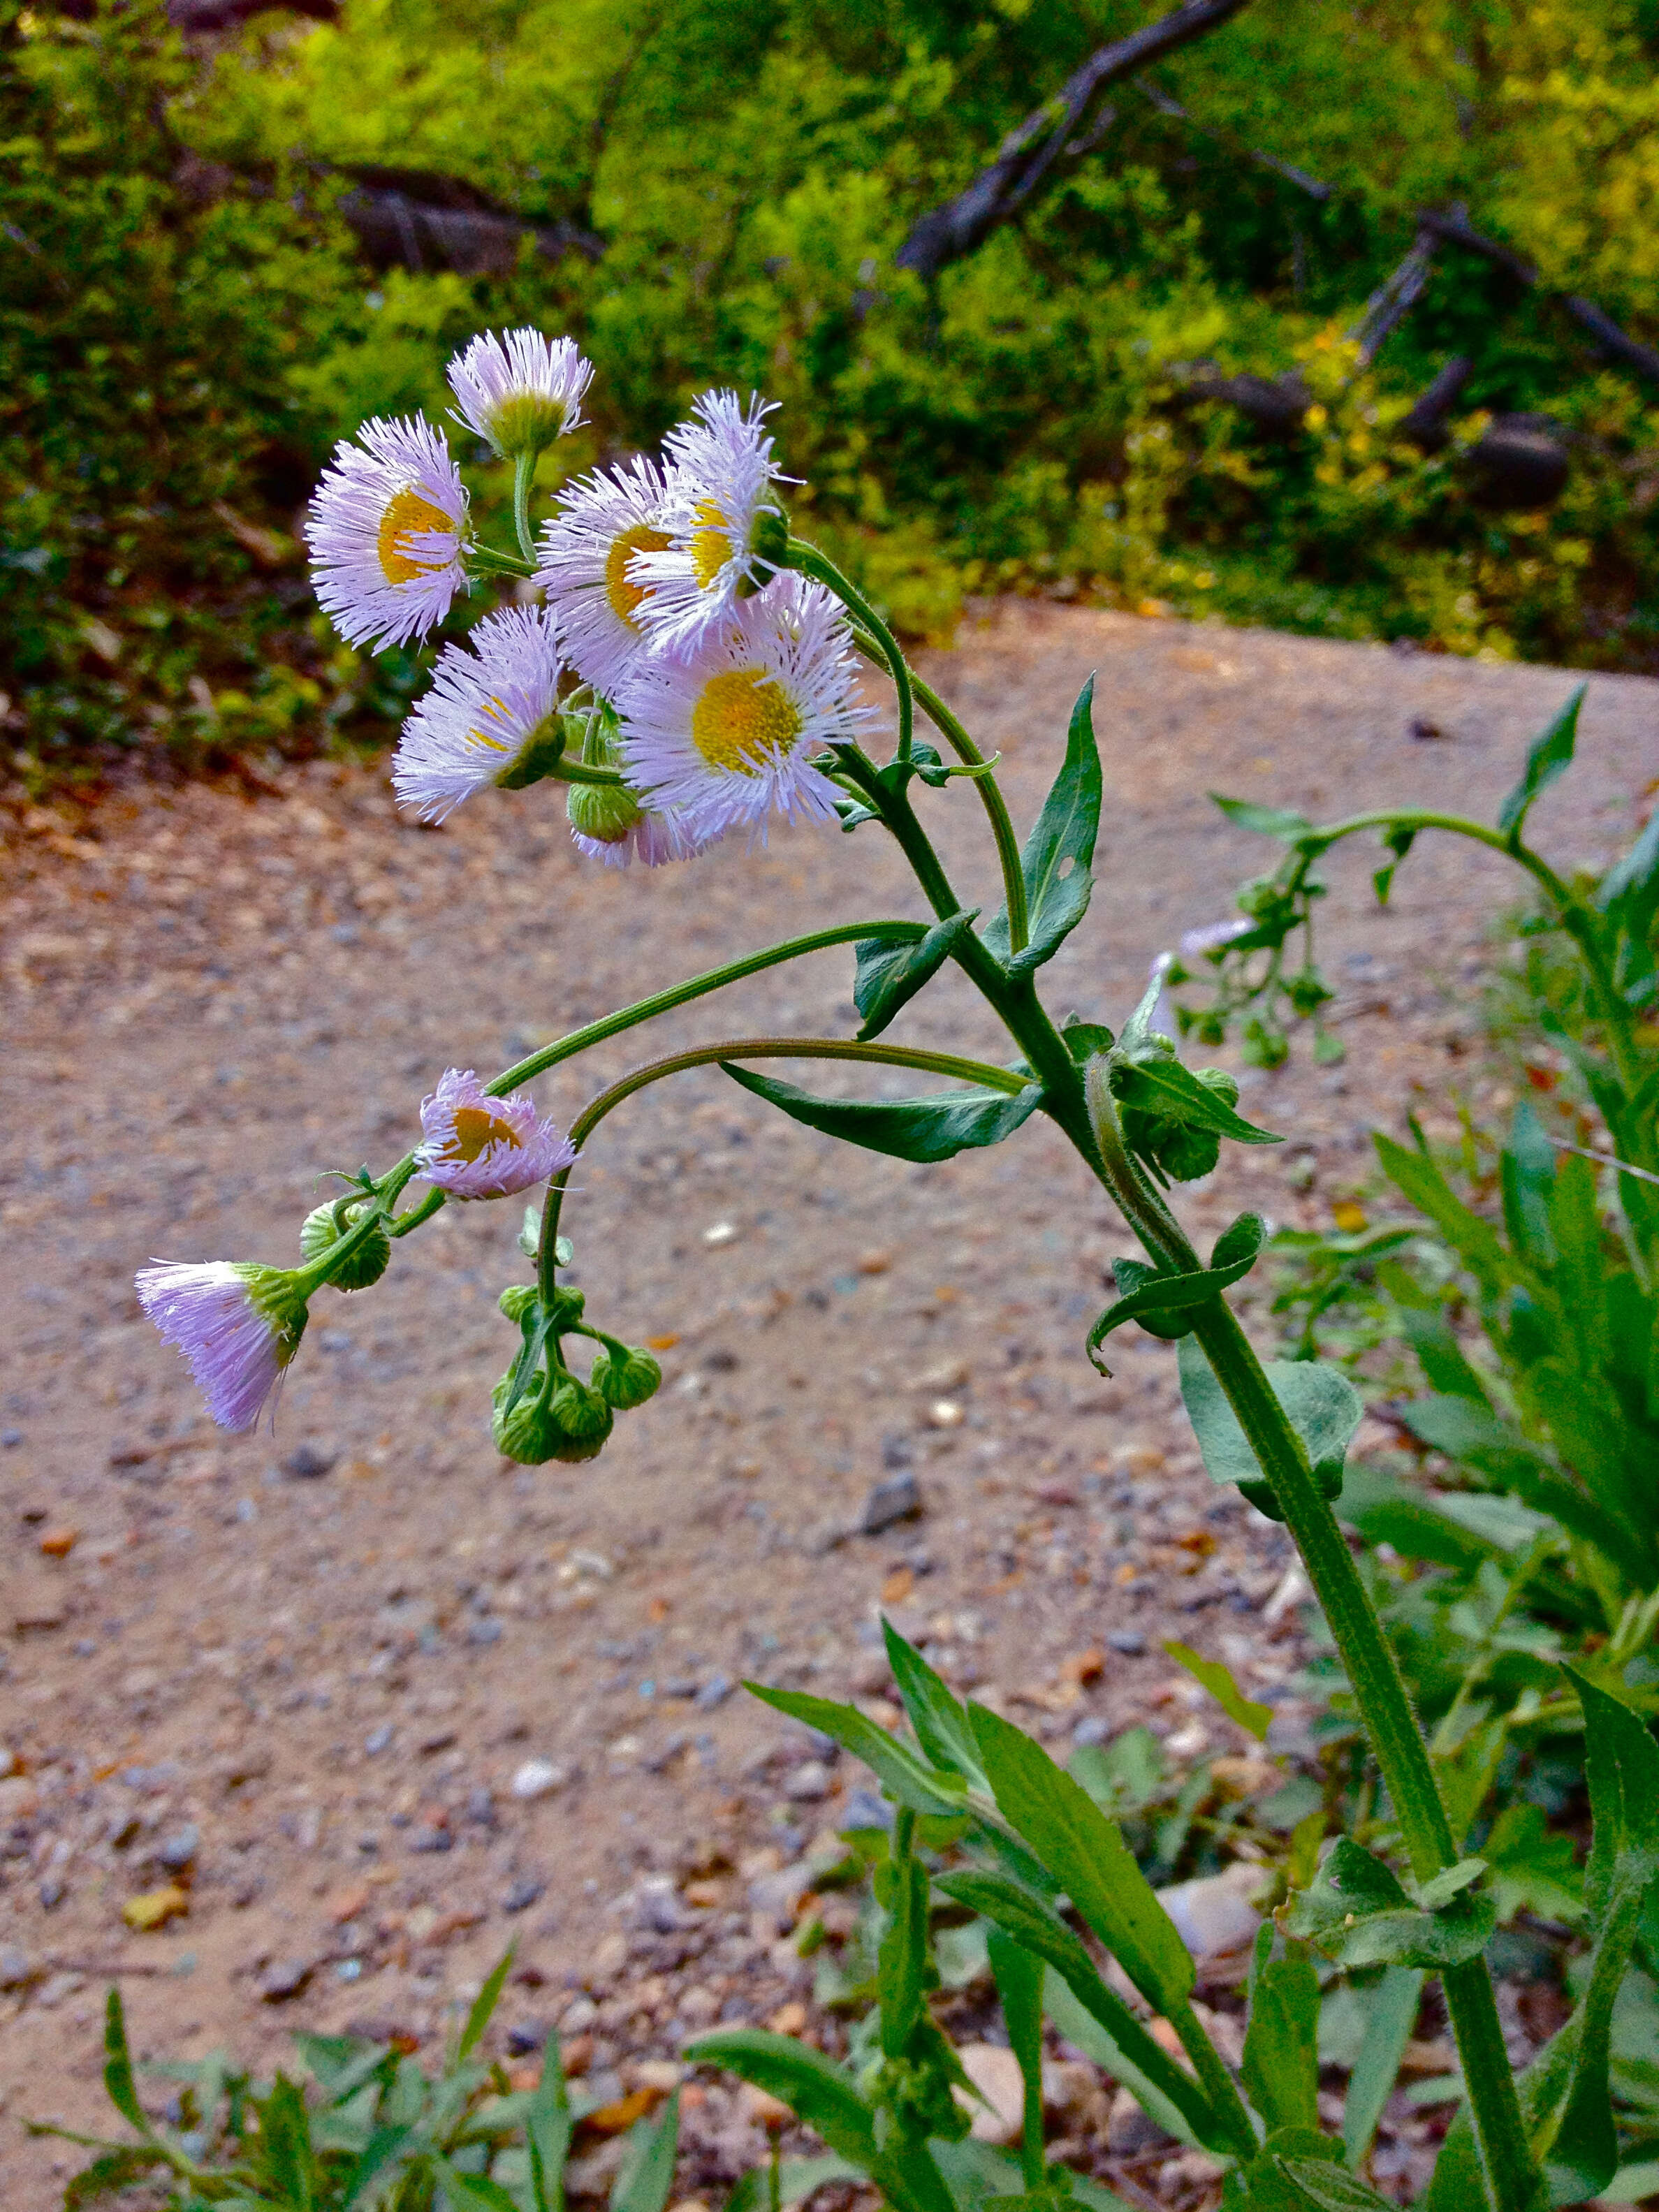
565	770
524	470
757	1047
1013	876
1373	1672
810	562
895	809
1219	2083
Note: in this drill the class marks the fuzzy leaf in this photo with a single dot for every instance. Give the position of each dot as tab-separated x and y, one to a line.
1151	1296
1255	1719
1161	1085
900	1772
1280	2068
1358	1914
1320	1402
935	1127
890	974
1056	858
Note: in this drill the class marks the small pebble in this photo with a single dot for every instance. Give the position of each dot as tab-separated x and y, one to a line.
1129	1641
284	1978
179	1850
306	1461
518	1897
715	1691
378	1740
898	1498
14	1969
537	1777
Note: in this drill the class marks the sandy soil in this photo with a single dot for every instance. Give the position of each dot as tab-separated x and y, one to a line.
333	1677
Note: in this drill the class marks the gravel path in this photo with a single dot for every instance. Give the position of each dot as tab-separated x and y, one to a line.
327	1656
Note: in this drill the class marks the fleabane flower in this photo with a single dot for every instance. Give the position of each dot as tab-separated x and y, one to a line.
490	717
385	528
520	392
237	1324
727	738
609	823
723	516
477	1146
601	524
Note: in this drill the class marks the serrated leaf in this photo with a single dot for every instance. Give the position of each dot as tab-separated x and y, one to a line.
934	1127
1154	1294
1056	858
901	1773
1088	1857
1255	1719
1319	1403
1280	822
1039	1928
1358	1913
1281	2067
814	2087
1160	1085
889	974
1548	756
940	1720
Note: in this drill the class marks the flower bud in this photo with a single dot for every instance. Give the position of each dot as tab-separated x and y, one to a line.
581	1413
518	1299
607	812
527	1431
321	1229
624	1376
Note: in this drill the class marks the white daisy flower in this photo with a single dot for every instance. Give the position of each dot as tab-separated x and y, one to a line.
493	705
726	739
385	528
608	823
589	543
478	1146
520	391
237	1324
721	505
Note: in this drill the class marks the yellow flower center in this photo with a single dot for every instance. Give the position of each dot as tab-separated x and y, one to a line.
623	594
744	721
711	545
476	1130
408	515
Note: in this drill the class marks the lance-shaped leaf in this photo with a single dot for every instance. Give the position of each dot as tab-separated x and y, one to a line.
901	1773
1153	1297
1018	1977
1056	858
1255	1719
890	974
1278	822
1475	1241
1142	2064
935	1127
1088	1857
901	1959
1320	2185
1319	1401
1281	2037
647	2178
1357	1912
940	1721
1394	2004
1159	1084
1547	757
814	2087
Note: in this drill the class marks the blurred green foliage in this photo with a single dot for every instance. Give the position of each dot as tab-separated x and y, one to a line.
185	329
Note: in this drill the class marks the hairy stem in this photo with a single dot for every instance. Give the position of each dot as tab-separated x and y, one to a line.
1013	876
810	562
524	470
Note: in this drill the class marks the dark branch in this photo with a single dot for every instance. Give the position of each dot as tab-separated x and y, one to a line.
1030	153
1393	301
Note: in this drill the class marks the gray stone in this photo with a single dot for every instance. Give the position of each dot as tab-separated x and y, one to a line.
14	1969
378	1740
284	1978
179	1850
1129	1641
519	1897
715	1691
863	1809
1093	1727
897	1498
809	1783
306	1461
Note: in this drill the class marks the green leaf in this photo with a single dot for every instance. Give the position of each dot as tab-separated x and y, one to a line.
1056	858
1142	2064
1281	2067
1547	757
1393	2016
1475	1241
117	2068
1256	1719
901	1773
1018	1977
645	2180
890	974
1087	1855
547	2126
1156	1297
1278	822
1440	1356
1534	1867
933	1128
113	2173
902	1959
1623	1763
465	2189
940	1721
1358	1913
378	2154
483	2005
1629	892
1319	1401
1328	2187
1161	1085
285	2143
814	2087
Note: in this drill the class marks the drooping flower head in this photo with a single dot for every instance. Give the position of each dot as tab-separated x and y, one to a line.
726	739
493	707
237	1324
602	523
477	1146
520	392
385	528
722	503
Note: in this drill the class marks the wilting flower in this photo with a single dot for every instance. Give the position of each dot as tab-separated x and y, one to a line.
520	391
721	503
477	1146
602	523
726	739
386	530
237	1324
492	708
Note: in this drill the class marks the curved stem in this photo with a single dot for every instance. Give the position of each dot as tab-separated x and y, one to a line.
755	1047
894	809
524	469
565	770
1013	876
810	562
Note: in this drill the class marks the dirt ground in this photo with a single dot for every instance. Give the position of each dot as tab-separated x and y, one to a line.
298	1677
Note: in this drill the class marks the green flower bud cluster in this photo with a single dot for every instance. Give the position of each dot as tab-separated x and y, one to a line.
324	1227
542	1410
1180	1150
